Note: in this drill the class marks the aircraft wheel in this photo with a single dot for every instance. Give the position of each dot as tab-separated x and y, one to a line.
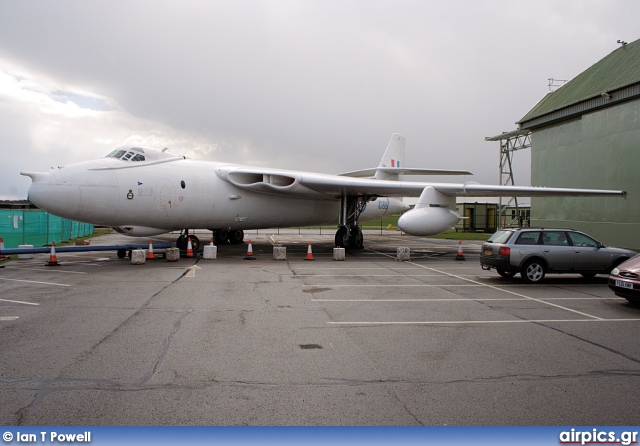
236	237
181	243
195	243
221	237
358	239
342	238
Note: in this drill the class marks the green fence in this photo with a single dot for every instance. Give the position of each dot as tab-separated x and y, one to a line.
38	228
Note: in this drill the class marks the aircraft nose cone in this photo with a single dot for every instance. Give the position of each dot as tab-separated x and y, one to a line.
47	194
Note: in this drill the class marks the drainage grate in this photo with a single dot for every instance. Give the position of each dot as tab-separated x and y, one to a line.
309	346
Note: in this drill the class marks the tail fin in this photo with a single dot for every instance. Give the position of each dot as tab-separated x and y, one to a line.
392	164
393	158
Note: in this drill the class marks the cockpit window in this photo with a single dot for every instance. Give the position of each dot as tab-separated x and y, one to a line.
116	153
127	155
142	153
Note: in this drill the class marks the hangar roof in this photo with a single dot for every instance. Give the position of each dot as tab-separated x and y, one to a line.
592	88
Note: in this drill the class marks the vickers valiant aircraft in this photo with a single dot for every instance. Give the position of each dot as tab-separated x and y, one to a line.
143	191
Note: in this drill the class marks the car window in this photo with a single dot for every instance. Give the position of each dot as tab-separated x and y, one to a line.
554	238
500	237
579	239
528	238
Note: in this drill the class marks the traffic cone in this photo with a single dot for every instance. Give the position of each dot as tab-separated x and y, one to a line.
2	256
150	252
189	247
211	244
53	259
460	255
309	253
250	252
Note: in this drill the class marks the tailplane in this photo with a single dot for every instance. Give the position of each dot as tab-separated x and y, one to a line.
392	164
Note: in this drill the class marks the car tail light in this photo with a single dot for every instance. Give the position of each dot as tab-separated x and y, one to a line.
504	251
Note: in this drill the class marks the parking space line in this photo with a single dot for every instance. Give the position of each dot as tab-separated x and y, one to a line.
453	299
506	291
368	275
515	321
34	281
45	269
8	318
18	302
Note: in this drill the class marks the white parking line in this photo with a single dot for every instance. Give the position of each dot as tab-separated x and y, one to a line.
18	302
369	275
453	299
518	321
49	270
8	318
401	285
34	281
505	291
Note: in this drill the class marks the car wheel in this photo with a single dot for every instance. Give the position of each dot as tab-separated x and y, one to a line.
505	274
533	271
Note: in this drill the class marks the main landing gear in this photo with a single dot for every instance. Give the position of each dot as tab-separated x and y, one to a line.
350	237
349	234
220	237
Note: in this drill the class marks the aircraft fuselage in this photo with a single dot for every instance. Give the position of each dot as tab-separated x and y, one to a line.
174	195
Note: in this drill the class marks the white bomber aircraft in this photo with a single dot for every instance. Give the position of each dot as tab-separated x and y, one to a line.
142	191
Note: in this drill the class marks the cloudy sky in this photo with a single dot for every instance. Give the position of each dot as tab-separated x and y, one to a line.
311	84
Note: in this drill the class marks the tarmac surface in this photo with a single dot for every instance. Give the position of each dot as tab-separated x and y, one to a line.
365	341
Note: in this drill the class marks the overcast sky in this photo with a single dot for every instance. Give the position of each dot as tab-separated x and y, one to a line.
314	85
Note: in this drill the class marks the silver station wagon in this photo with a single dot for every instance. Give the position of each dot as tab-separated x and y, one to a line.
534	252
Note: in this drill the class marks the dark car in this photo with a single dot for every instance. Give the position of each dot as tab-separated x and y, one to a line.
534	252
624	280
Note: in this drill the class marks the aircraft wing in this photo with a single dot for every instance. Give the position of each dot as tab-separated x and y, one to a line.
402	171
319	186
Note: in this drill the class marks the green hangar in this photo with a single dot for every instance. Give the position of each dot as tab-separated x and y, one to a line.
586	134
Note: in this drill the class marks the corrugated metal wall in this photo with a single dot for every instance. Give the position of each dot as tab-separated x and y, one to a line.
600	150
38	228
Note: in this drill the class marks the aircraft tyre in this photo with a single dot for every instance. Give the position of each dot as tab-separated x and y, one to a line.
195	243
221	237
236	237
182	243
357	238
342	238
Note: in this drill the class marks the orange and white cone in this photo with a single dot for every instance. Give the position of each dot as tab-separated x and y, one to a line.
53	259
460	255
211	244
150	252
309	253
250	252
2	256
189	247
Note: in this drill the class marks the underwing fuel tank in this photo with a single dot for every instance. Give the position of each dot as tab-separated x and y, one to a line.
381	207
432	214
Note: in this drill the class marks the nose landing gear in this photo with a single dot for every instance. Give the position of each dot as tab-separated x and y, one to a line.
183	241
